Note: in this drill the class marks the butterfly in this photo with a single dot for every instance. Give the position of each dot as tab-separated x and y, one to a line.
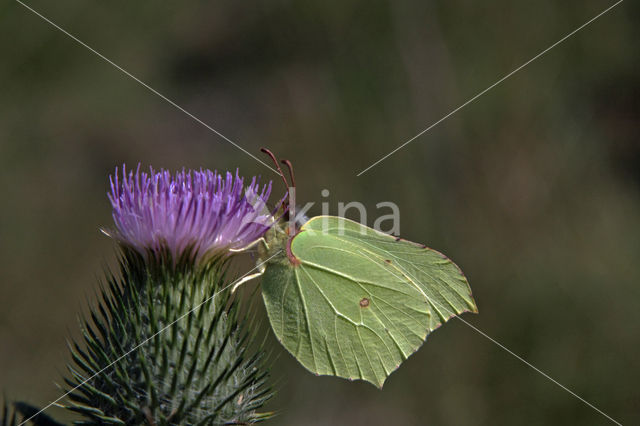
347	300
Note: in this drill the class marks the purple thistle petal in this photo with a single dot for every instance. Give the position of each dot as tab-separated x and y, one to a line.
197	210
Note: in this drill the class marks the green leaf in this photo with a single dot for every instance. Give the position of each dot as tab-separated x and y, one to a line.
353	302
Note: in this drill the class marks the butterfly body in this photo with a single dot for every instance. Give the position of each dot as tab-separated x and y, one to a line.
349	301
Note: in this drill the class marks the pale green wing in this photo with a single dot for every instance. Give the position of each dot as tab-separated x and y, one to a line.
441	280
355	303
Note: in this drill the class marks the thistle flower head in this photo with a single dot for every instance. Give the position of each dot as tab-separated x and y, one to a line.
197	210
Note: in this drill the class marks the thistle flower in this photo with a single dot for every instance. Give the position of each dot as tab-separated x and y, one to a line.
170	345
199	211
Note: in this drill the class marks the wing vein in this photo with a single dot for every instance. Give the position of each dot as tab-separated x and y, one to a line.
306	314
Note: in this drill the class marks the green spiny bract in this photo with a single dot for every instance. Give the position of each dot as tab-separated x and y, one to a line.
9	416
19	412
161	349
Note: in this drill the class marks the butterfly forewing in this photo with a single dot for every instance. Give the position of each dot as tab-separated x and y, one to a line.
441	280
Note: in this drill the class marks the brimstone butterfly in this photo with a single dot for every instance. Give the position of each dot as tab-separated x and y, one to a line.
349	301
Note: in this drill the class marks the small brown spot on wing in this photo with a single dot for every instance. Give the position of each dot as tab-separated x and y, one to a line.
364	302
388	260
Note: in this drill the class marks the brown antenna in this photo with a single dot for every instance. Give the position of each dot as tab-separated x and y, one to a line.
275	161
290	167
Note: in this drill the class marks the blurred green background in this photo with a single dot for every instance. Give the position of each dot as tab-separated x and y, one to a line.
534	189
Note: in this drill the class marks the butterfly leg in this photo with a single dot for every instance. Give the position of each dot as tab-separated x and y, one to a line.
250	245
261	266
245	279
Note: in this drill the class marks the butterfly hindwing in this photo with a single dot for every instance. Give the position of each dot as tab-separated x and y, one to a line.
352	302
